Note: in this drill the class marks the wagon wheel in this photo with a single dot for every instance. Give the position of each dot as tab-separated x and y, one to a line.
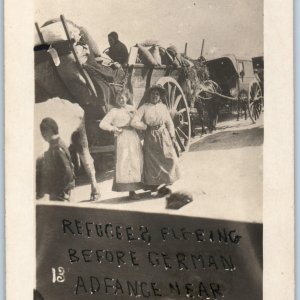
255	100
179	110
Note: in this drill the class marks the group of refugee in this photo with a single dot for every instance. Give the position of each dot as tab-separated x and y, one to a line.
151	165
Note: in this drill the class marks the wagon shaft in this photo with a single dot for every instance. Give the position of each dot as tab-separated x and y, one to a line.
217	95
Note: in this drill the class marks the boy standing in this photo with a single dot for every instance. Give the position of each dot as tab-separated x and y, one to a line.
58	172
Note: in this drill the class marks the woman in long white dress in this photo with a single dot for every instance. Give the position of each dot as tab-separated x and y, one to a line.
128	149
160	160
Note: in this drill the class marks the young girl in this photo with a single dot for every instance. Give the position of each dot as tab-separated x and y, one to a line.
160	160
128	149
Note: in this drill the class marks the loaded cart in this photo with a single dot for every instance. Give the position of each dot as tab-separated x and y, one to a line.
63	69
69	65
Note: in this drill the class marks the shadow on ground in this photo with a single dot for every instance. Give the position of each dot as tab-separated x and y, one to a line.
106	173
125	199
230	139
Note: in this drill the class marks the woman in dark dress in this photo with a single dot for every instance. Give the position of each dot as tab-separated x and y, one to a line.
160	160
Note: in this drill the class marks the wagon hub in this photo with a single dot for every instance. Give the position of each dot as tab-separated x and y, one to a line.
178	119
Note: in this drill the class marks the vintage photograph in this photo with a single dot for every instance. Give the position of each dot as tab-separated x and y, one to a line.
148	148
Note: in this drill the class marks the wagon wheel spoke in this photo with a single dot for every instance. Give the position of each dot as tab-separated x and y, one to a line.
257	92
257	107
254	101
179	130
178	108
172	96
181	110
168	89
169	95
181	145
177	100
169	103
257	95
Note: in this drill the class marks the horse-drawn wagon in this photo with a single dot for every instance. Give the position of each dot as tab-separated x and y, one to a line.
69	74
240	87
69	65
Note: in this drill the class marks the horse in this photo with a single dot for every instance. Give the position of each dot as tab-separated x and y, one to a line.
196	86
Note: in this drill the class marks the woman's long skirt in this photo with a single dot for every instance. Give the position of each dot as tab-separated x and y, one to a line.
129	161
160	160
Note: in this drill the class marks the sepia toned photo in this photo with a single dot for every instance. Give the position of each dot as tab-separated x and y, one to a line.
151	149
138	122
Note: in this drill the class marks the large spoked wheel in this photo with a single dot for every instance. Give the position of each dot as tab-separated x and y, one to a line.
179	110
255	98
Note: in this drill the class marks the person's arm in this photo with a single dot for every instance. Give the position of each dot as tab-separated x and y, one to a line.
131	110
137	119
106	123
65	166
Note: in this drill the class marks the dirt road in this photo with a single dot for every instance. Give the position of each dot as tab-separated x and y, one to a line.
222	171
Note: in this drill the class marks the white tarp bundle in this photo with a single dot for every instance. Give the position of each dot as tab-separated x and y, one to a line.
55	32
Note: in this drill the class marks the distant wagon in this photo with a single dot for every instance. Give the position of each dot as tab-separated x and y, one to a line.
239	82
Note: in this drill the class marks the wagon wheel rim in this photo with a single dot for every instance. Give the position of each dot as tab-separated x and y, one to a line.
255	100
179	111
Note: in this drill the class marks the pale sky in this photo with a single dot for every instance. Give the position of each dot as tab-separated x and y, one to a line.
228	26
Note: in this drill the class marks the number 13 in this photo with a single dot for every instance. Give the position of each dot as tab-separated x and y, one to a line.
59	275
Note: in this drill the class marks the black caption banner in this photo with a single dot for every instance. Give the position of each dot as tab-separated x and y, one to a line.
90	253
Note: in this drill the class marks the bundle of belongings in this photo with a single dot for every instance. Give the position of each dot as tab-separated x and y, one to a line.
198	72
151	53
88	81
193	72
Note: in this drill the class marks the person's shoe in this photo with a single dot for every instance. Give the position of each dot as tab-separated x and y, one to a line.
95	196
64	196
133	196
163	191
